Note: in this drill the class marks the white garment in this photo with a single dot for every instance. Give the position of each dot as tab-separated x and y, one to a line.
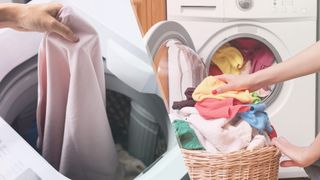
185	68
211	134
259	141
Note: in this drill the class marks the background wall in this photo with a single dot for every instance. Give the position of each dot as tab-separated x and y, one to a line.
149	12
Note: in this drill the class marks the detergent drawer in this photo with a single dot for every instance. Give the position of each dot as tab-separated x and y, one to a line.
194	8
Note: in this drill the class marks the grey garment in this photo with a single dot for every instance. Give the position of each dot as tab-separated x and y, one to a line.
313	171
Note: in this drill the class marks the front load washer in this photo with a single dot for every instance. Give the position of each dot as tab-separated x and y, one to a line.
284	26
128	71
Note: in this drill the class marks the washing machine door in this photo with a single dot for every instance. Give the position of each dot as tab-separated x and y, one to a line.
175	62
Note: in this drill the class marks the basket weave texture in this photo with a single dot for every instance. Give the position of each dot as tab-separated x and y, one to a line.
260	164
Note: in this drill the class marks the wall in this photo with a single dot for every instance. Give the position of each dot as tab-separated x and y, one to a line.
149	12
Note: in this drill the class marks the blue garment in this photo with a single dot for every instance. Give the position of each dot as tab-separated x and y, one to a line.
257	118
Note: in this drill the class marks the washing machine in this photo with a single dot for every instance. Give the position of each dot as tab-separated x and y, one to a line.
128	72
285	27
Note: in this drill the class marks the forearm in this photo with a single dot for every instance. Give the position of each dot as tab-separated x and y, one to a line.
8	14
314	152
306	62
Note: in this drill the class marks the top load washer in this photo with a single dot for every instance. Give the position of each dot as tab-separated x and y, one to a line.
285	27
128	71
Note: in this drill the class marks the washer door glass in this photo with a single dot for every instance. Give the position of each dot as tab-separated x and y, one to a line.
246	55
177	68
176	64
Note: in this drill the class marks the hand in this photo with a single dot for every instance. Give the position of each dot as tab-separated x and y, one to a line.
42	18
300	156
237	82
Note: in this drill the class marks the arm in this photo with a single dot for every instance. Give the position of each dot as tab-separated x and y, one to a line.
34	17
300	156
306	62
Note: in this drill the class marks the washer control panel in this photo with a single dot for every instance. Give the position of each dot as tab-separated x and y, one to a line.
245	4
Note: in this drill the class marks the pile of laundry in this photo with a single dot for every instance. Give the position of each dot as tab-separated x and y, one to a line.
242	56
224	122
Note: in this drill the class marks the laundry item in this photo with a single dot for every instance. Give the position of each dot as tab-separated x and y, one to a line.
186	135
210	83
220	108
74	133
187	111
229	59
228	139
263	92
257	118
185	68
214	70
246	68
259	141
263	58
255	51
273	133
256	98
189	102
247	47
132	166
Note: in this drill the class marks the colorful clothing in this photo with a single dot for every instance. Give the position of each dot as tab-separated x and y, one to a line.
224	108
228	59
186	135
227	139
257	118
210	83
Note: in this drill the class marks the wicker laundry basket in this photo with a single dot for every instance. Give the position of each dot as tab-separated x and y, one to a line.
251	165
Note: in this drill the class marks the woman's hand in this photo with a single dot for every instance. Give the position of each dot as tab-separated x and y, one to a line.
237	82
300	156
38	17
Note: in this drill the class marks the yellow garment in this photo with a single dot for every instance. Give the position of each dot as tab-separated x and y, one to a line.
204	90
229	59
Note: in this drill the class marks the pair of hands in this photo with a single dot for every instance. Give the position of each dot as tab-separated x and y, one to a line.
40	18
300	156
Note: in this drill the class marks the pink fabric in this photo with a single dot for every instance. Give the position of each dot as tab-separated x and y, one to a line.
214	70
255	51
262	59
73	127
215	138
247	47
246	68
214	108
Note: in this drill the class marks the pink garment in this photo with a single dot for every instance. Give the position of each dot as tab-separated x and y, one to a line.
263	58
255	51
247	47
214	70
215	108
263	92
227	139
246	68
73	128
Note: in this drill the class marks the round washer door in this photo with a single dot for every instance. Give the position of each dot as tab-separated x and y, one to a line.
175	62
242	33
